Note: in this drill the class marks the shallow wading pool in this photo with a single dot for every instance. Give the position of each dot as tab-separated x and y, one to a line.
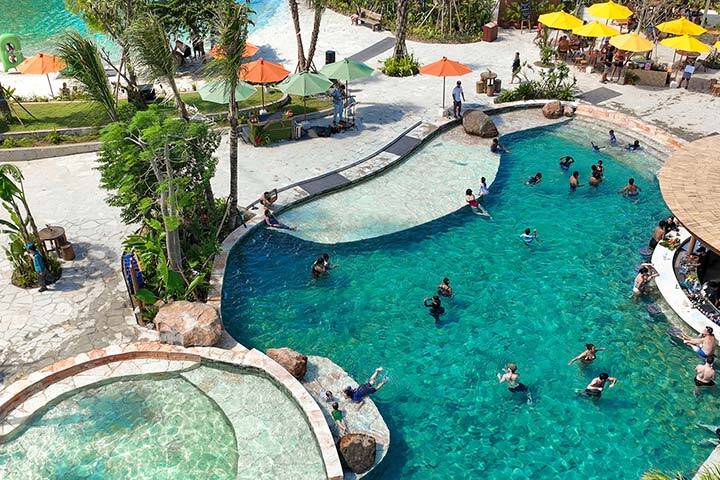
535	305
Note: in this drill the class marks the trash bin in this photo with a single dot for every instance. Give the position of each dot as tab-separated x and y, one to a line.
498	85
67	252
480	86
490	32
329	56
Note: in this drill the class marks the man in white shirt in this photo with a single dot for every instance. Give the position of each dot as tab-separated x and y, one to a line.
458	97
687	73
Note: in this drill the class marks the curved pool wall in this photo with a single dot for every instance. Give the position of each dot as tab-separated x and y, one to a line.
40	22
283	430
304	334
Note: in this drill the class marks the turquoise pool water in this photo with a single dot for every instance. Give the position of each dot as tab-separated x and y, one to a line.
536	306
39	22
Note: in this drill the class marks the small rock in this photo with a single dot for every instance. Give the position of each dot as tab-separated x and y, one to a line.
357	450
290	360
569	111
190	324
553	109
478	123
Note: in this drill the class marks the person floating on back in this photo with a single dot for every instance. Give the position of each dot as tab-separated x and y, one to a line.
359	394
535	179
630	190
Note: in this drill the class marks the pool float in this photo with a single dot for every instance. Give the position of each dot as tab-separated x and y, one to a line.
10	52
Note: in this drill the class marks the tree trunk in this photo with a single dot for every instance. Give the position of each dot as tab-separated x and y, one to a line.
232	197
178	99
296	23
315	32
401	29
133	89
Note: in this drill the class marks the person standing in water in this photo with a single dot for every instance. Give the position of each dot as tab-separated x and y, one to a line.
472	201
321	266
565	162
705	374
597	385
511	376
444	288
435	306
528	237
574	181
630	190
483	187
588	355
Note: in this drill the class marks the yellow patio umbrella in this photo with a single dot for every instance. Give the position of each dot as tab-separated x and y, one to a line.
717	44
681	26
595	29
686	43
560	20
609	10
631	42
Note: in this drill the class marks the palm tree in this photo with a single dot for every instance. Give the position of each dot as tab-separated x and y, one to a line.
318	9
81	55
296	24
231	25
401	29
150	48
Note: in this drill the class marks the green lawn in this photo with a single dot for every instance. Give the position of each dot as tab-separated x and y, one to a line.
56	115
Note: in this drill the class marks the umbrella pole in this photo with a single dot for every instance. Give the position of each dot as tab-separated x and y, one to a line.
262	95
50	84
305	107
443	96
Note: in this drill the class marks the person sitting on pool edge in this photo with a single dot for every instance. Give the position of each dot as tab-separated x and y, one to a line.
528	237
358	394
535	179
597	385
565	162
471	200
444	288
633	146
705	374
495	147
268	198
273	222
511	376
435	306
588	355
704	345
630	190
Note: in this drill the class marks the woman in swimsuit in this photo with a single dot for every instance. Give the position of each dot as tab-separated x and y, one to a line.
444	288
273	222
511	376
595	178
471	200
435	306
596	386
600	169
483	187
588	355
630	190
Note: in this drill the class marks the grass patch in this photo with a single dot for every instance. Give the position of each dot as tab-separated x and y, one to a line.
50	139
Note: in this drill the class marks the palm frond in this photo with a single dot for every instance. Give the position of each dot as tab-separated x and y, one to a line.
231	23
81	55
150	48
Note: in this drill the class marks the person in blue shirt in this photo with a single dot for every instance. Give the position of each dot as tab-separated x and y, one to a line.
458	97
338	99
528	237
613	138
358	394
38	265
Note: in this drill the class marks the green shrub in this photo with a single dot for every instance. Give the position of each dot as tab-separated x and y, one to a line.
54	138
403	67
554	83
126	111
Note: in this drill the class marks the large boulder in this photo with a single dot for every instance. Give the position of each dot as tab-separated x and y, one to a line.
357	451
188	324
553	109
290	360
477	123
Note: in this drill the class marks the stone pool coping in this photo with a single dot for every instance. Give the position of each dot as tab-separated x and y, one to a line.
21	400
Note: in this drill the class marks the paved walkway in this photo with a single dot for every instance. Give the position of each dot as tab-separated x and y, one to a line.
88	307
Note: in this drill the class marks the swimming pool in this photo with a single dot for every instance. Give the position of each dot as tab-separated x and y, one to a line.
536	306
40	22
202	422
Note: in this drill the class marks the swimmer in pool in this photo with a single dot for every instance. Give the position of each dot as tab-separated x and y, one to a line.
646	273
600	168
444	288
528	237
588	355
596	147
597	385
435	306
595	177
574	181
633	146
321	266
535	179
613	139
495	147
630	190
565	163
705	374
511	376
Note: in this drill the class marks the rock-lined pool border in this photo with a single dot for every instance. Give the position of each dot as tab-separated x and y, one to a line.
21	400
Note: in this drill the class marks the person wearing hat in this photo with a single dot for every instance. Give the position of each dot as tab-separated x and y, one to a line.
38	265
458	97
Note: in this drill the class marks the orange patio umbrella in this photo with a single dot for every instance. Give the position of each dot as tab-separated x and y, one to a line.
42	64
445	68
262	71
250	50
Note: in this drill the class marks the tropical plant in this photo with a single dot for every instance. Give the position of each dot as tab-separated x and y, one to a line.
231	23
554	83
21	229
401	67
180	16
151	52
157	169
546	55
81	55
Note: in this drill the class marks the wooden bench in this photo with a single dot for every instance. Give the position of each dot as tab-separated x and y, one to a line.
371	18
